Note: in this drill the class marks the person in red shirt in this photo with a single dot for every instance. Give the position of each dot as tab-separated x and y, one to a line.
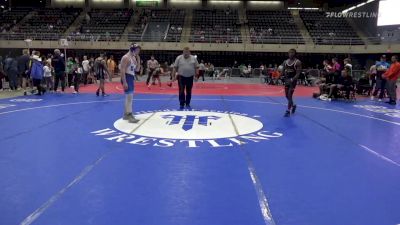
391	76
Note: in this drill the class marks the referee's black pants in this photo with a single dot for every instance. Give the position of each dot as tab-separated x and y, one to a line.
185	84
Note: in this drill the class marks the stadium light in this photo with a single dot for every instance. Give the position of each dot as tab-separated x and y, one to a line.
265	2
225	2
186	1
301	8
108	1
71	1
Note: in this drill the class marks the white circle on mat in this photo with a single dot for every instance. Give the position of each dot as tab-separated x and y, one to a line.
190	125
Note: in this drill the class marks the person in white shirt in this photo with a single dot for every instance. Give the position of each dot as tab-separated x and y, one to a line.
86	69
202	70
347	63
47	69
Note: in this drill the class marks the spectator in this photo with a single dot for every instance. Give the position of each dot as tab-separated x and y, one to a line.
202	69
2	74
37	72
11	70
23	68
78	71
235	64
336	69
247	71
91	75
347	63
58	63
391	77
328	72
363	85
242	67
70	70
276	75
48	76
344	82
111	65
372	75
211	69
86	68
327	78
381	67
264	74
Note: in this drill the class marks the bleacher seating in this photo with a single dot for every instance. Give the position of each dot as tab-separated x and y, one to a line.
216	26
135	32
10	18
47	23
207	26
273	27
329	30
104	25
175	19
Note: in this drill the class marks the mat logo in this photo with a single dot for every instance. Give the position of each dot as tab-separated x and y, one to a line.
381	109
189	120
192	129
26	100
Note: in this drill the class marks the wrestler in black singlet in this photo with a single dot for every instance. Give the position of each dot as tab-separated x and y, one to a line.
291	69
290	73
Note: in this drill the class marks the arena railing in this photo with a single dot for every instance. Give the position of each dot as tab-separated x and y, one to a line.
231	39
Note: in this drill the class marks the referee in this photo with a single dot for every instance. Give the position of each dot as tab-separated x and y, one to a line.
185	68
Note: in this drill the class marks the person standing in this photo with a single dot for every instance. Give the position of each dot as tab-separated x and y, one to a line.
58	63
37	72
11	70
152	64
111	67
185	68
391	77
291	72
2	75
381	67
202	70
372	75
70	71
23	68
86	69
48	76
101	72
92	74
77	75
129	67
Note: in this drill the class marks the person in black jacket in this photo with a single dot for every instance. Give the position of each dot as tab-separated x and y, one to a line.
58	63
11	70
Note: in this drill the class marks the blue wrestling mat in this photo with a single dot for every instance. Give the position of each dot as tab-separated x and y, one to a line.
71	160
